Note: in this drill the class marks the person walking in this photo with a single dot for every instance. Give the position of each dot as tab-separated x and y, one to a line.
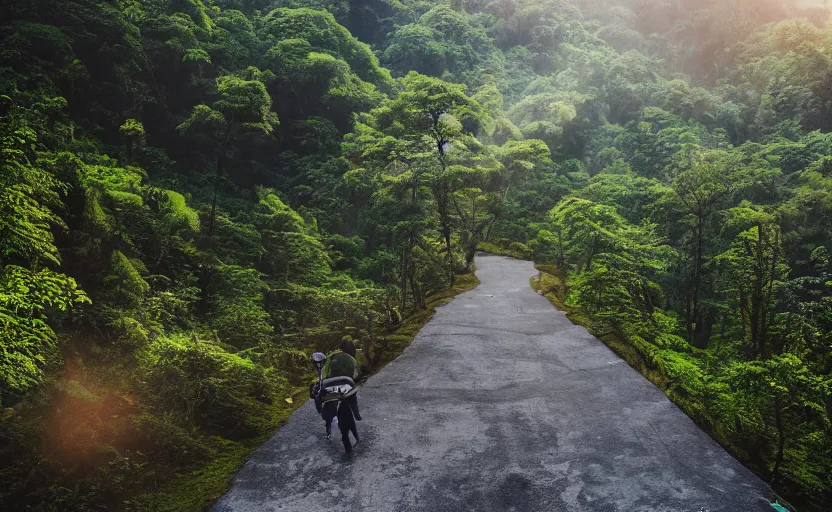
341	363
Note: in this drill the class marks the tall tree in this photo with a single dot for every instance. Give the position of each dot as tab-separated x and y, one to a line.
711	178
243	107
755	268
425	128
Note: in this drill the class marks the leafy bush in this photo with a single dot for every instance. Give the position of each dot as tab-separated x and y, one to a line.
239	317
197	379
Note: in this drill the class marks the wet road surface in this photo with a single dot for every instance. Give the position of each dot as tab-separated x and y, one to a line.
500	404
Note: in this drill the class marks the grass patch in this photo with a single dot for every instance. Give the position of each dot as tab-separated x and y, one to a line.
198	489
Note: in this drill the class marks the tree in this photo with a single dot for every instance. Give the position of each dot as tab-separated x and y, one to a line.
292	250
755	267
787	391
423	129
490	181
31	293
134	136
243	108
614	263
443	43
711	178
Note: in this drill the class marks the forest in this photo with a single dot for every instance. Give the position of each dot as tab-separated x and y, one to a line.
195	194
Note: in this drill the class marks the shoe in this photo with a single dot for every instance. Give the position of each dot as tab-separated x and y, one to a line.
328	432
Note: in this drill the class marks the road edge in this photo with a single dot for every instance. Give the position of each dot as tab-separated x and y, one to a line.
551	284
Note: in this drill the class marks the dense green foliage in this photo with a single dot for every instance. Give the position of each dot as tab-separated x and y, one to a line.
195	192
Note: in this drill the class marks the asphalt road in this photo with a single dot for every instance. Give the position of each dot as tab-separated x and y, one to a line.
500	404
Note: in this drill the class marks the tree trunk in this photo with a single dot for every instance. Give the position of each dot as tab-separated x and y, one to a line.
768	312
694	320
446	232
442	208
704	327
471	247
470	254
403	280
756	305
592	248
744	315
442	200
688	315
490	225
418	301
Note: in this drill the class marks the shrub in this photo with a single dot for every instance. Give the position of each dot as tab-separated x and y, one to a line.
222	392
520	249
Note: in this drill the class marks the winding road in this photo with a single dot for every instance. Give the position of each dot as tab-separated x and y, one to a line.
500	404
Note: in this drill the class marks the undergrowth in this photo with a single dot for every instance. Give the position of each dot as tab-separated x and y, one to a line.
103	443
502	247
199	488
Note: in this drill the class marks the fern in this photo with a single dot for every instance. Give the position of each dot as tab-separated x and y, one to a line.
179	214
